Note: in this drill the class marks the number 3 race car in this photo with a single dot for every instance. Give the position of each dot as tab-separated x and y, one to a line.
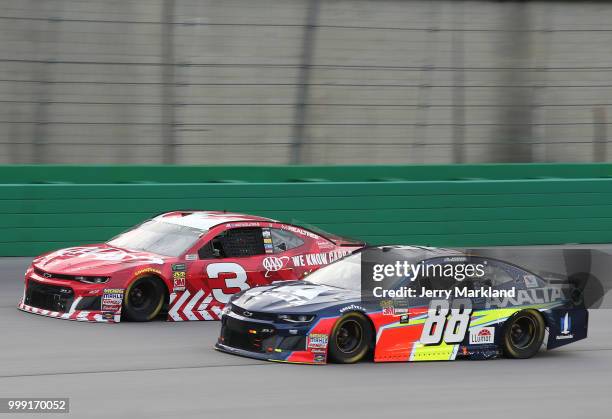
505	311
190	262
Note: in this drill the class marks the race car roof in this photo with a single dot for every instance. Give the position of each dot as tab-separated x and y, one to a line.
204	220
422	252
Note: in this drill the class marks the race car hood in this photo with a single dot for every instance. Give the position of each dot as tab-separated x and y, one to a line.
294	297
97	259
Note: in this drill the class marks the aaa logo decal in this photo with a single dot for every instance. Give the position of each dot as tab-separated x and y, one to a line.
274	264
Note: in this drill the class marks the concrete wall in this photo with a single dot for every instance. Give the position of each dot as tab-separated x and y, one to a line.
232	81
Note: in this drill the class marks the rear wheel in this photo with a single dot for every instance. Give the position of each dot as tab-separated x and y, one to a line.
350	339
523	334
144	299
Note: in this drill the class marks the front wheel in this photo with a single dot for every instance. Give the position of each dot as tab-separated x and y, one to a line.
350	339
523	334
143	299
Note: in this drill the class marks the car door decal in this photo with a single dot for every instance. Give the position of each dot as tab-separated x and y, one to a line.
239	281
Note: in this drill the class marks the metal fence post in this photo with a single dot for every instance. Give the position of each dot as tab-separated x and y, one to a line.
458	96
514	132
303	81
168	82
600	135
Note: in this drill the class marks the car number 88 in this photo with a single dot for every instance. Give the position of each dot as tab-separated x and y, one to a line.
439	325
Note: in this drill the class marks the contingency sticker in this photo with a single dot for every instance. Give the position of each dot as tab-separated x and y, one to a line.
112	299
482	335
178	277
317	340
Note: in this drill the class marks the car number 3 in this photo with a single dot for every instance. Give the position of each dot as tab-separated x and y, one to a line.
239	281
440	325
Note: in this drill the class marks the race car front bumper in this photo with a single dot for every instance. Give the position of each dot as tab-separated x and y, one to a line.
66	299
266	340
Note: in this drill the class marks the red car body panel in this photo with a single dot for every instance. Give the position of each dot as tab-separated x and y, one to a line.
198	288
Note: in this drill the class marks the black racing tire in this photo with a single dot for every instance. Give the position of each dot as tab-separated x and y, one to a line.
143	300
350	339
523	334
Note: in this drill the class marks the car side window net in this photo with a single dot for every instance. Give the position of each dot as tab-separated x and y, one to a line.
237	242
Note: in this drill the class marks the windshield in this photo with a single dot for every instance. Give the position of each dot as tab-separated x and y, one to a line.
158	237
345	273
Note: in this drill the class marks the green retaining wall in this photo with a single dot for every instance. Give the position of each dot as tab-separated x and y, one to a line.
48	207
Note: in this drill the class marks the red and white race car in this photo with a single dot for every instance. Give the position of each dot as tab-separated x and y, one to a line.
188	261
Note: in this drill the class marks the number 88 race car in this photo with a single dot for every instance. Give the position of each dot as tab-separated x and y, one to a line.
334	315
190	262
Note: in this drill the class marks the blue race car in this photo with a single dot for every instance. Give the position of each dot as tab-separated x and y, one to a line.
340	314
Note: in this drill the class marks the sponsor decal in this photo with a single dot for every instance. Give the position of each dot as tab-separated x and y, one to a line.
274	264
243	224
266	233
318	259
317	340
455	259
527	297
191	256
269	241
319	358
147	271
565	327
178	267
387	307
112	298
108	316
298	230
352	307
482	335
404	319
530	281
179	280
388	311
269	248
387	303
104	253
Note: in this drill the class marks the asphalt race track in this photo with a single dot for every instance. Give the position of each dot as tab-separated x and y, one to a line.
164	369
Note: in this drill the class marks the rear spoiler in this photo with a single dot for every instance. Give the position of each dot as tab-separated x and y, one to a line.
337	240
343	242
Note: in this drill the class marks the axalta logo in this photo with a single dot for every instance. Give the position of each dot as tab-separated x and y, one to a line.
482	335
526	297
566	327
